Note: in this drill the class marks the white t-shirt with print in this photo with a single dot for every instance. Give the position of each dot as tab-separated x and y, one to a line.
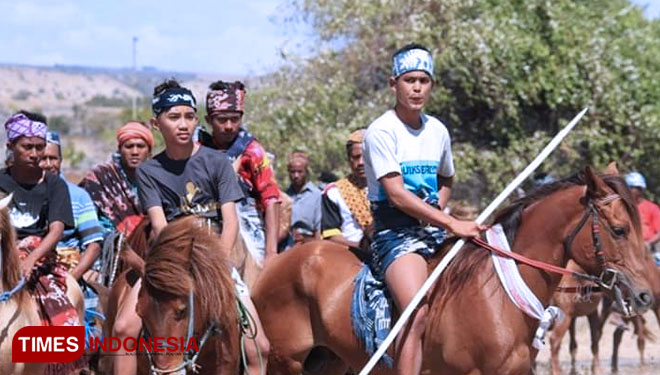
418	155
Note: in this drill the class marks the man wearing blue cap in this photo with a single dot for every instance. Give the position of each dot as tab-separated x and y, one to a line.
409	170
87	234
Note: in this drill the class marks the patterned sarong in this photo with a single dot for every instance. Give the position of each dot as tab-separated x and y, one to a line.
371	312
47	285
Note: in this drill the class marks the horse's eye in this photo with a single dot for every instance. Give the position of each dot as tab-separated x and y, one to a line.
619	231
180	313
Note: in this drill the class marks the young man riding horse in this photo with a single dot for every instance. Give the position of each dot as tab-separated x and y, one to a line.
40	211
187	179
410	170
260	210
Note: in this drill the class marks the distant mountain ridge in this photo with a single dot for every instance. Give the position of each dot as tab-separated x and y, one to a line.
86	103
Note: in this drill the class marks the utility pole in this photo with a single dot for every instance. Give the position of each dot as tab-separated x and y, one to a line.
135	39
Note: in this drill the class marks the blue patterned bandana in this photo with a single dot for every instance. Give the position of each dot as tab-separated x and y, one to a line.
53	137
172	97
413	59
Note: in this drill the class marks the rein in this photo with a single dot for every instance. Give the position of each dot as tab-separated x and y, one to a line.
189	363
608	277
5	296
532	262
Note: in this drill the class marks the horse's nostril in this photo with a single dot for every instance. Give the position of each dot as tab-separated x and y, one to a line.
645	299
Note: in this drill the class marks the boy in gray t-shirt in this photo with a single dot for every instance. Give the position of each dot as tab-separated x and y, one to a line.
186	179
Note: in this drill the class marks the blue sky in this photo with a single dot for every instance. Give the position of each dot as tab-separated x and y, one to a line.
227	36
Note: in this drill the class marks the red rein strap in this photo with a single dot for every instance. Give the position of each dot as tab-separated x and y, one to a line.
523	259
546	266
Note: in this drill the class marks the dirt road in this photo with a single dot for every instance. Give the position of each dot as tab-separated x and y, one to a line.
629	363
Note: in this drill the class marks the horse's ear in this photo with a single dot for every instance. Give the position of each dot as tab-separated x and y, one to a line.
4	202
596	187
612	169
132	260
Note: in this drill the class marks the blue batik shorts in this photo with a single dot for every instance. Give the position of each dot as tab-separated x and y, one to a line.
390	244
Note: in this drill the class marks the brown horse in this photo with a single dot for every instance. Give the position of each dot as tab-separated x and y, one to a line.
20	310
576	298
638	321
187	291
588	305
304	296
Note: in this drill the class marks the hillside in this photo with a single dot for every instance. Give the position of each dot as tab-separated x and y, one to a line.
84	103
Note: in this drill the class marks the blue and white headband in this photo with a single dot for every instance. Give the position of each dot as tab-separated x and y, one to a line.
173	97
412	59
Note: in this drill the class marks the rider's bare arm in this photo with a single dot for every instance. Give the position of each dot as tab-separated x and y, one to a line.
445	184
412	205
92	251
47	244
272	227
157	219
229	227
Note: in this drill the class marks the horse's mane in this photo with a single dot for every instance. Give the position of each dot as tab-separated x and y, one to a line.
470	260
185	256
11	270
509	217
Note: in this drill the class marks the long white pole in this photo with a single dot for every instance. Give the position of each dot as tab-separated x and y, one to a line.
457	246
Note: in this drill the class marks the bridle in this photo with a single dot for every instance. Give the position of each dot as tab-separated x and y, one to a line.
609	278
190	357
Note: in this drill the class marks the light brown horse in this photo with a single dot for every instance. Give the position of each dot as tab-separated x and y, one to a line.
639	323
588	305
182	265
20	310
576	298
304	296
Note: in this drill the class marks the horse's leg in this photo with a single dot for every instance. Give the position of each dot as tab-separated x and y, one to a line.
640	327
572	342
287	323
76	297
558	333
595	328
606	309
618	333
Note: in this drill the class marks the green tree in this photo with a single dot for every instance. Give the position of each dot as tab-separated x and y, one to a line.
509	74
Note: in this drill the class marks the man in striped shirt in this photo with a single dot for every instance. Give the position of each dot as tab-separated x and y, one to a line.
87	234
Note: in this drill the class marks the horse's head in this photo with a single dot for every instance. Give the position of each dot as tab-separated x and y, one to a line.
187	295
606	241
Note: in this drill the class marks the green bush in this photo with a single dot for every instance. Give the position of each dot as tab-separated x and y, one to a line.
509	75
